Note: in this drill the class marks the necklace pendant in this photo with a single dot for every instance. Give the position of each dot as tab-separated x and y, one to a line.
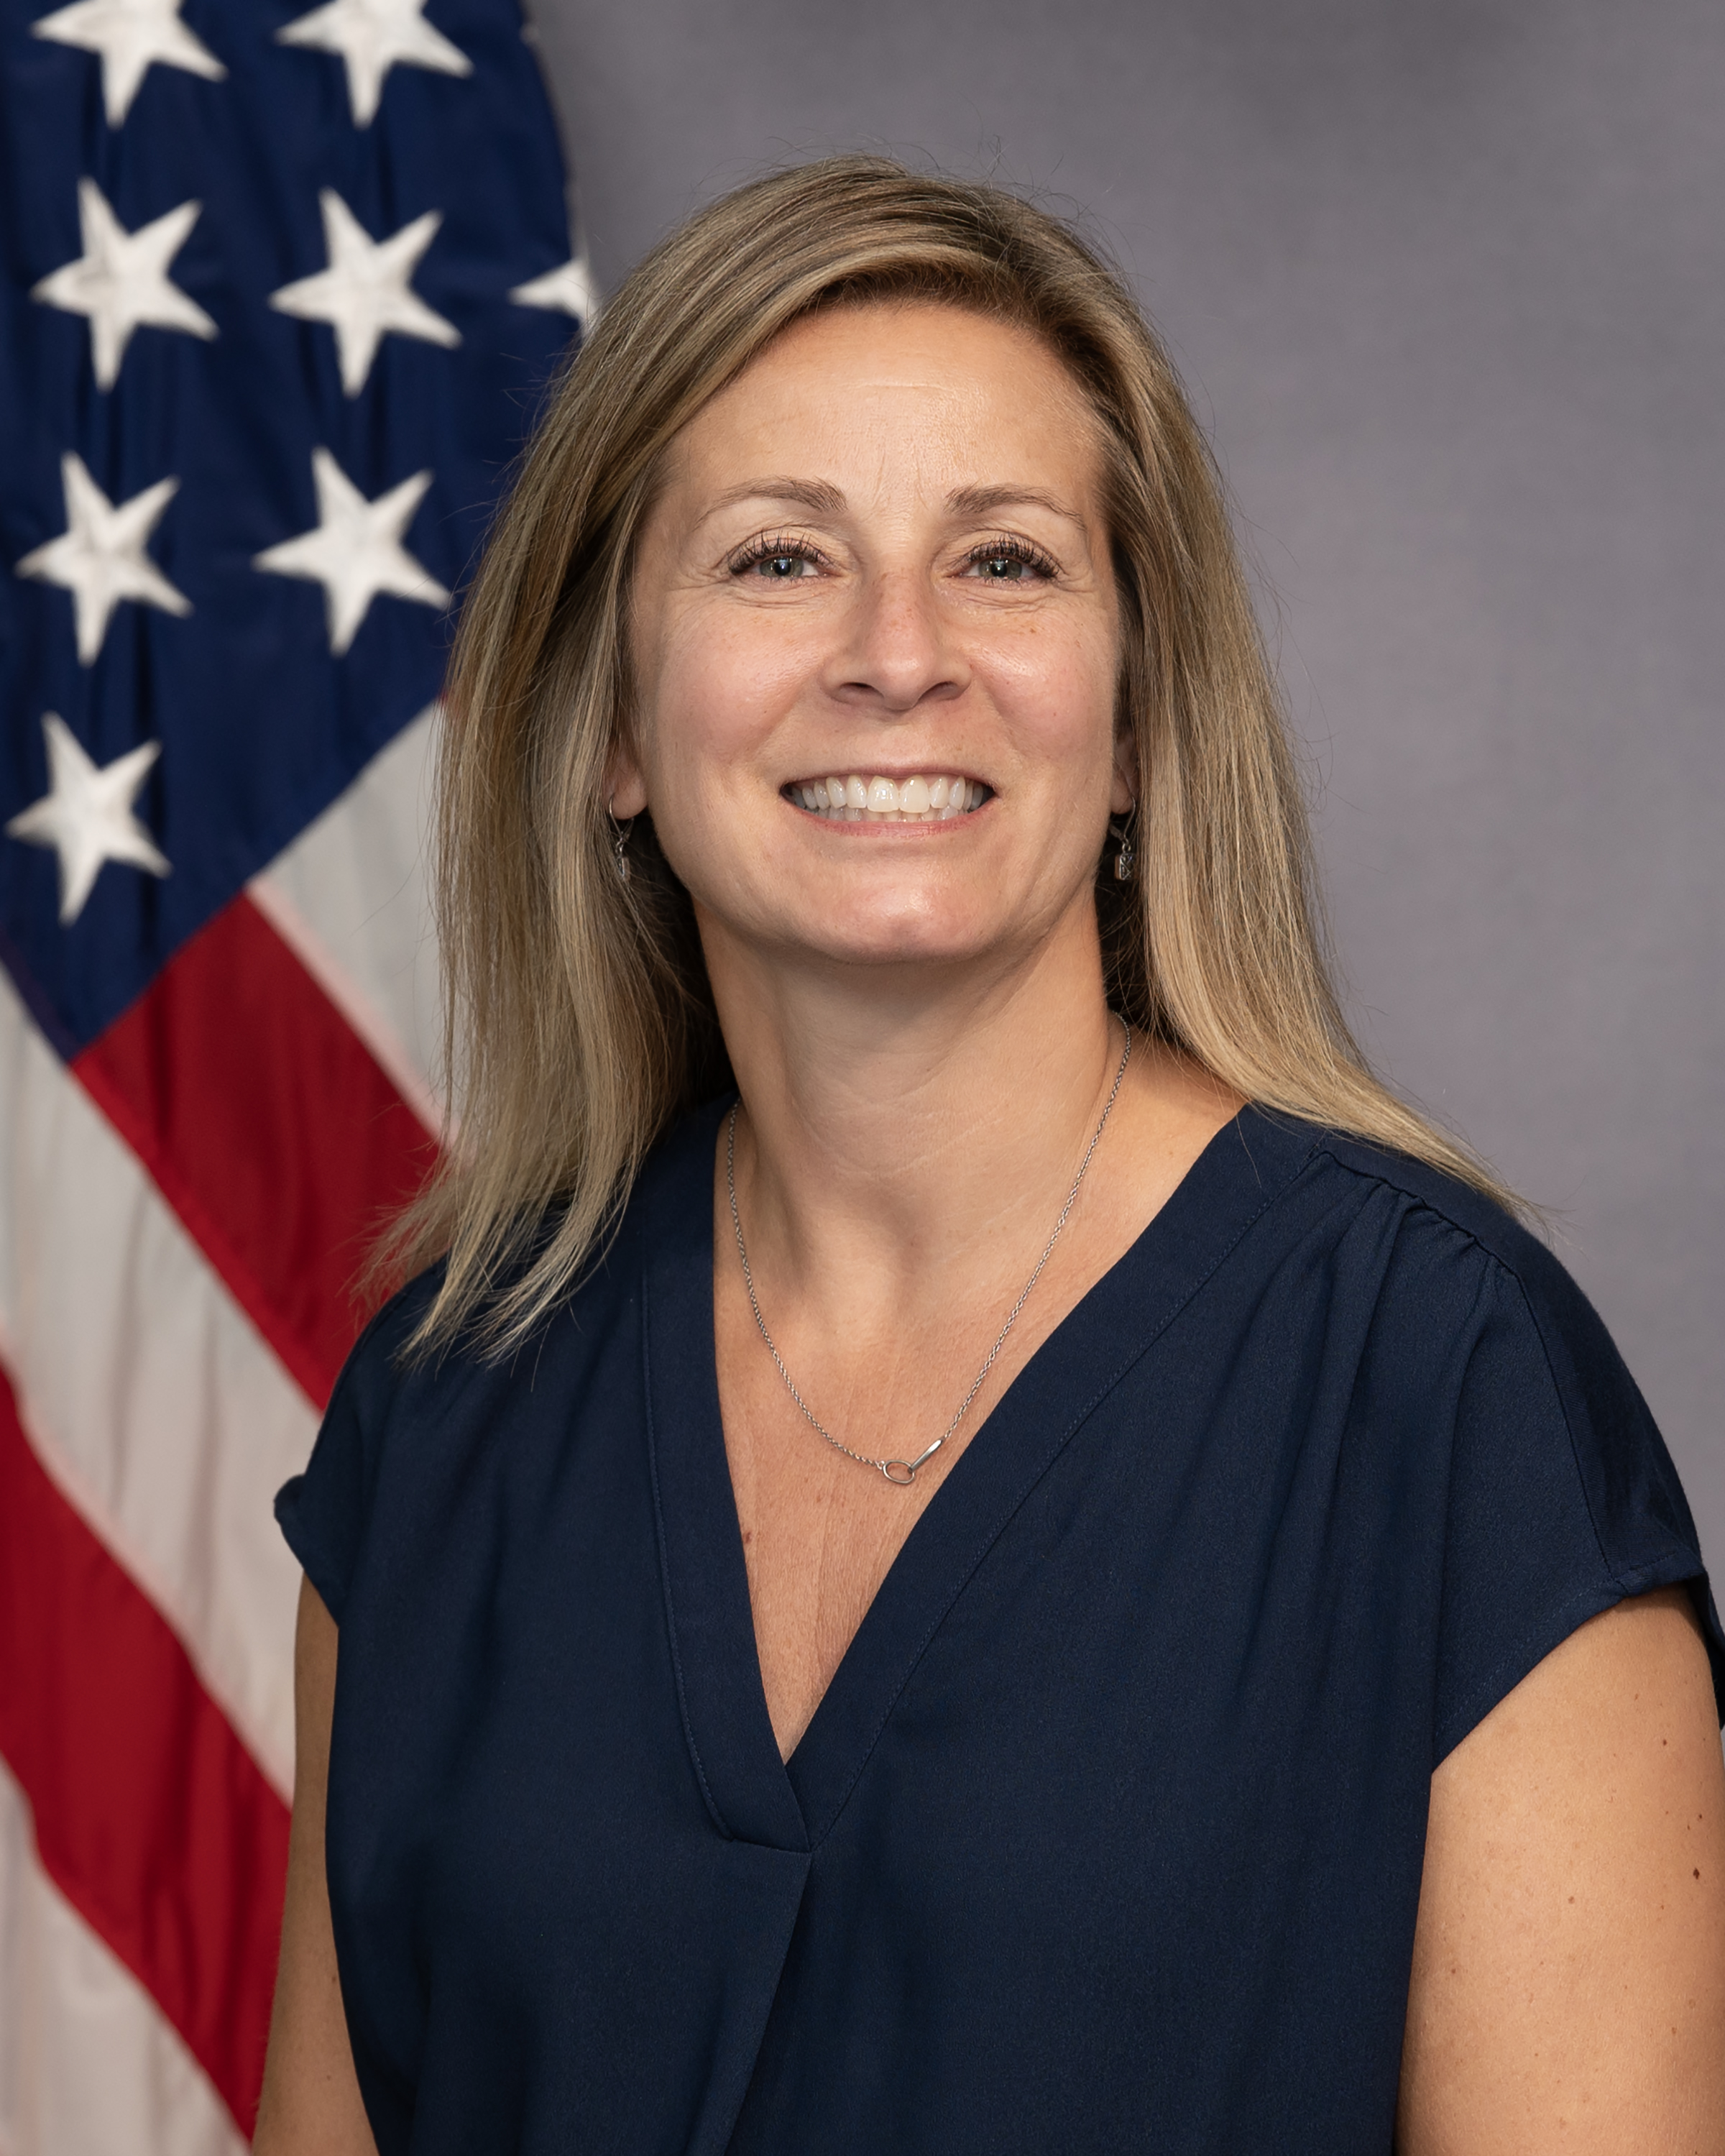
902	1473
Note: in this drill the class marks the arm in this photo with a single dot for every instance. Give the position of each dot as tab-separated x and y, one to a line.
311	2104
1568	1980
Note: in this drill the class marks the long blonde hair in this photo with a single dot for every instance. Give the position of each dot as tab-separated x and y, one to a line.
580	1023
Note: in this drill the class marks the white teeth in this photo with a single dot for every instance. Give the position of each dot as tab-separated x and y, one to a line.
913	800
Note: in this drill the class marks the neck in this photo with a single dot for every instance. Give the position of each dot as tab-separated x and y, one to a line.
902	1126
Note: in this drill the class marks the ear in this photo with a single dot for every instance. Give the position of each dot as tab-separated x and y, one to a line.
1123	791
625	787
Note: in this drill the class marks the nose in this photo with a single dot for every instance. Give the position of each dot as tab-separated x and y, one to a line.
899	651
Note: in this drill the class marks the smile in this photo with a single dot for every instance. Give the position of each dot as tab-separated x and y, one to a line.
914	800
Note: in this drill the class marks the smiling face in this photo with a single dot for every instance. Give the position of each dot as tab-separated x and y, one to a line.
876	638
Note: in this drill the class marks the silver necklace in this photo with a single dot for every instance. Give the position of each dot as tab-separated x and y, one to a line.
903	1473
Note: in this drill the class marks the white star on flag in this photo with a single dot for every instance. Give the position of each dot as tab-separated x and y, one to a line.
356	551
100	557
129	34
120	280
570	288
86	814
371	36
365	292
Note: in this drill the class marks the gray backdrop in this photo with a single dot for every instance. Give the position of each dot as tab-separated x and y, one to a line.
1446	282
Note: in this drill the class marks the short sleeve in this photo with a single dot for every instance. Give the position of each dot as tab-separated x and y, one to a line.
323	1512
1563	1499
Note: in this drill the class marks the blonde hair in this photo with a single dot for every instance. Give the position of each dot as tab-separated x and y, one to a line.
579	1019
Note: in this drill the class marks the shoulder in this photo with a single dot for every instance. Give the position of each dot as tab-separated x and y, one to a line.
421	1442
1416	1185
384	1357
1375	1231
1483	1327
670	1199
1549	1401
1441	1221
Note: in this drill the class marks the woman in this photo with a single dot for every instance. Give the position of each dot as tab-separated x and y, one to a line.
977	1542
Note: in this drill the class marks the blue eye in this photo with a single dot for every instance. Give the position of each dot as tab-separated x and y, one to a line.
782	567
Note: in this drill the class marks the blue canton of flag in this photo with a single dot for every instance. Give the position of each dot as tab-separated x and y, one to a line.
283	288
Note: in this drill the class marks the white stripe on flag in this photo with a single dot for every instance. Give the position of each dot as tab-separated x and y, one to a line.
87	2062
350	898
147	1392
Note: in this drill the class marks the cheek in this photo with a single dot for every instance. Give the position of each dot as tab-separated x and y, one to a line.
719	688
1056	685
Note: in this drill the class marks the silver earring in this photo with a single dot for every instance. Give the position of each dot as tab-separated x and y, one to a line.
622	827
1125	854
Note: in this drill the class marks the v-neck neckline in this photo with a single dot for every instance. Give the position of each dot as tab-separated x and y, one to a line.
752	1794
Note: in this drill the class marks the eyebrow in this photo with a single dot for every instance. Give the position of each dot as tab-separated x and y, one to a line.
822	498
985	500
810	494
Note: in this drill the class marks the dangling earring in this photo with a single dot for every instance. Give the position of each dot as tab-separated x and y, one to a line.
1126	856
624	828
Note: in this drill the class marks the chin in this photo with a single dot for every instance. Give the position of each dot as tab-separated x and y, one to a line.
897	941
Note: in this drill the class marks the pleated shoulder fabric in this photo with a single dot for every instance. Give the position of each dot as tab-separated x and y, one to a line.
1107	1835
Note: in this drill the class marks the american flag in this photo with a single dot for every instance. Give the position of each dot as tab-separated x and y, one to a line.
280	289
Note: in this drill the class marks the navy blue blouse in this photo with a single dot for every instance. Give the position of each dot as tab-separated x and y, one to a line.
1108	1834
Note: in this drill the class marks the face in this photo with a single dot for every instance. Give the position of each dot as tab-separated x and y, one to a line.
876	640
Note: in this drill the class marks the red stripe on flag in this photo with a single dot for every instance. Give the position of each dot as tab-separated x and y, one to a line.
269	1127
151	1818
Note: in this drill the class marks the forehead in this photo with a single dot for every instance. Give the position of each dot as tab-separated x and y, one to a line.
893	389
